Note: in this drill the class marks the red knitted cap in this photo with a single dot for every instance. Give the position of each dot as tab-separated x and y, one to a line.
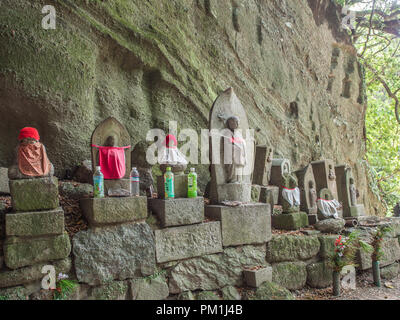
28	132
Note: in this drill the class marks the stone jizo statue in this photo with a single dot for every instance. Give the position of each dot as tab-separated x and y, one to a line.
353	193
290	194
313	195
31	159
332	175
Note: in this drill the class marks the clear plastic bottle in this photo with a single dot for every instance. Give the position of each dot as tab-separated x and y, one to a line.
192	183
169	184
98	183
135	180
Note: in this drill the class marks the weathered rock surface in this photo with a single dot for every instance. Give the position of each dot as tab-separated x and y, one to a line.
290	221
391	271
291	275
24	275
330	225
291	248
151	288
34	194
21	252
126	251
254	278
73	190
246	224
215	271
270	291
177	212
183	242
327	245
207	295
319	275
230	293
171	60
37	223
115	290
4	186
391	253
109	210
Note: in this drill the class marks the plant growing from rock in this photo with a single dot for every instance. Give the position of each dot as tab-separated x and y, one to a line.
377	253
64	287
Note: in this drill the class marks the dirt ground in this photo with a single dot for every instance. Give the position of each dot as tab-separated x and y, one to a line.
365	290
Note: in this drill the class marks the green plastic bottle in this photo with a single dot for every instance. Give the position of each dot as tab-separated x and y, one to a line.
169	184
192	184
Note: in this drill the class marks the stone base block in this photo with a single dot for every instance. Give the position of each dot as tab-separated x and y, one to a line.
34	194
234	192
312	219
269	193
254	278
179	243
4	183
21	252
180	186
116	184
9	278
255	193
114	210
177	212
391	254
290	221
38	223
245	224
355	211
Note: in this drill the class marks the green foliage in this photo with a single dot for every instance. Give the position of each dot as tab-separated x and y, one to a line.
64	288
377	242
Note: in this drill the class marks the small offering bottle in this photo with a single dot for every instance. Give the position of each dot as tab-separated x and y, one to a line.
192	184
169	184
135	180
98	183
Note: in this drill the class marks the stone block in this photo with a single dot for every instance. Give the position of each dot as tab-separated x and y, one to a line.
312	219
391	254
177	212
230	293
4	183
356	211
114	253
9	278
37	223
234	192
391	271
114	210
116	184
34	194
292	248
319	275
330	225
180	186
270	291
254	278
269	194
290	221
262	165
178	243
255	193
115	290
327	245
245	224
21	252
150	288
291	275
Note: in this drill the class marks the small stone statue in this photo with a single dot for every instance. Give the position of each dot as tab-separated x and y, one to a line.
269	160
332	175
313	195
170	156
235	160
290	194
353	193
31	159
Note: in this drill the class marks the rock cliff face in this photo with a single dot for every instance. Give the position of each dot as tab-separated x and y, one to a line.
148	62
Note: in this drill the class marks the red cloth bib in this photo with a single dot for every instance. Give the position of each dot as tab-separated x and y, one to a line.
112	161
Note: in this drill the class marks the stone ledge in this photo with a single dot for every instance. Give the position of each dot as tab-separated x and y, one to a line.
114	210
183	242
177	212
34	194
290	221
246	224
38	223
20	252
254	278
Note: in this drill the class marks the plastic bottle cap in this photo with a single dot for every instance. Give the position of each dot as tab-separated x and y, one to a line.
133	168
168	168
192	169
98	167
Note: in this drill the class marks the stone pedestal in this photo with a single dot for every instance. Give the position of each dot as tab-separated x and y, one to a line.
113	210
357	211
180	186
177	212
290	221
245	224
4	183
312	219
322	170
269	194
116	184
34	194
262	165
254	278
179	243
234	192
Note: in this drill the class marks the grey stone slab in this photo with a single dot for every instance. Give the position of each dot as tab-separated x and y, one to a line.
391	254
245	224
177	212
4	183
290	221
234	192
263	165
254	278
114	210
37	223
183	242
269	194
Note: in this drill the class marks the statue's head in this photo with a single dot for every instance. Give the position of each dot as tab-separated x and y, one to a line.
232	122
28	135
351	180
311	184
110	142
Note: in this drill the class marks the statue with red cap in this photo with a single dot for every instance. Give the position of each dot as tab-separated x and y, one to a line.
31	159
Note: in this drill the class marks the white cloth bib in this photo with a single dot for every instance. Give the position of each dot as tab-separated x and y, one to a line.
328	207
292	196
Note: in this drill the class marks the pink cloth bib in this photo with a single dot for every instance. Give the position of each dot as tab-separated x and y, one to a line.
112	161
